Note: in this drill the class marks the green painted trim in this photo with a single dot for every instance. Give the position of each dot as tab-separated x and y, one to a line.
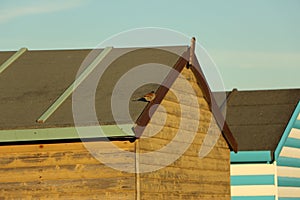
252	180
73	86
288	182
251	157
66	133
253	197
12	59
297	124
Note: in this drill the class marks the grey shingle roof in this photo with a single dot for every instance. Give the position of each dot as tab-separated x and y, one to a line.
257	119
37	78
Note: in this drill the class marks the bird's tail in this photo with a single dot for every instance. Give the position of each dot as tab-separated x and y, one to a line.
140	99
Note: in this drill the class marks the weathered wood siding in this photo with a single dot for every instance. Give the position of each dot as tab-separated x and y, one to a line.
62	171
189	177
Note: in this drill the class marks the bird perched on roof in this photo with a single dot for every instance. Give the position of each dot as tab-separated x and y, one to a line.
147	97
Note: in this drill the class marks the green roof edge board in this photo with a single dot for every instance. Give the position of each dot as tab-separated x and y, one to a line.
12	59
74	85
86	132
251	156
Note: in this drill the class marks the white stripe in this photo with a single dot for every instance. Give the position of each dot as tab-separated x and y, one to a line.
276	180
288	171
288	192
251	169
253	190
290	152
295	133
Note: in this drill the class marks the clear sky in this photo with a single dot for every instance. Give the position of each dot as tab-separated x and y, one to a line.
255	43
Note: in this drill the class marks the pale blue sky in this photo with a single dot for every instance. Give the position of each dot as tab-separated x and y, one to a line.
255	43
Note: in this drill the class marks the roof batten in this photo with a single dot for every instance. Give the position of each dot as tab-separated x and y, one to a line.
12	59
74	85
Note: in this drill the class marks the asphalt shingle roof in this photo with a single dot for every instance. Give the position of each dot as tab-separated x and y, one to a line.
37	78
257	119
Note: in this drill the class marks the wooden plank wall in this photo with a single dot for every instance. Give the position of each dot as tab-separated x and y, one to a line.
62	171
189	177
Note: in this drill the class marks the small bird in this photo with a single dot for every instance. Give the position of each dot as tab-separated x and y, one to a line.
147	97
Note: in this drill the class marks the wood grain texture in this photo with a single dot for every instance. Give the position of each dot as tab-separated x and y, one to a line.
168	133
189	76
181	87
188	177
185	98
64	171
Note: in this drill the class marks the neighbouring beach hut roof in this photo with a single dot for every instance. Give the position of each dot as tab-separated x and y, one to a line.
258	119
31	82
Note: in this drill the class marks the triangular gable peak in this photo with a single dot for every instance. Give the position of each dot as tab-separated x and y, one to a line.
194	74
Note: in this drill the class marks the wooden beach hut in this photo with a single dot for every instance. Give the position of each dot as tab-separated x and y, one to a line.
43	155
266	125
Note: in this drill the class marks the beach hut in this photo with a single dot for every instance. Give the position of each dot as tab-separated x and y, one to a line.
265	124
52	146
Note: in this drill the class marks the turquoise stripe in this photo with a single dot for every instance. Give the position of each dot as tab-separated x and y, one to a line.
290	162
287	131
252	180
288	198
250	156
254	198
297	124
288	181
292	142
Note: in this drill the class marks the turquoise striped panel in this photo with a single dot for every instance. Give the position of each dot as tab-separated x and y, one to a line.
293	122
288	181
250	157
292	142
290	162
288	198
254	198
297	124
252	180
